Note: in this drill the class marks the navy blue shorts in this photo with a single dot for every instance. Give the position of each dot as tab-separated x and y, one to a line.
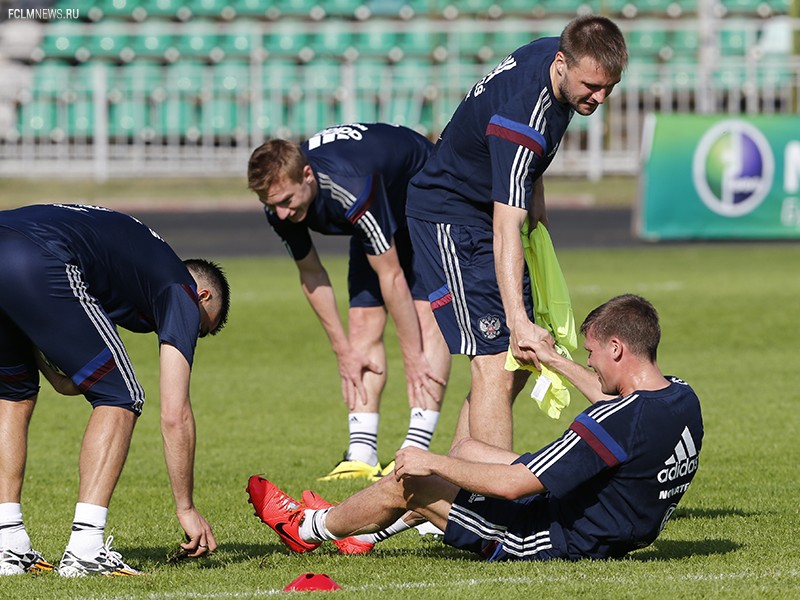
456	266
46	304
362	281
503	529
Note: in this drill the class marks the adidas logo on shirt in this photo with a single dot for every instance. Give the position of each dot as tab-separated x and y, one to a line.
683	460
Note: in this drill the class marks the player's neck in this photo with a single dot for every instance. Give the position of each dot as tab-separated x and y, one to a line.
646	378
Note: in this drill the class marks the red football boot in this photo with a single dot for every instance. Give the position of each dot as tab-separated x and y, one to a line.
280	511
348	545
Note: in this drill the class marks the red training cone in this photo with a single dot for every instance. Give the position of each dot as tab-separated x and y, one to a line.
312	582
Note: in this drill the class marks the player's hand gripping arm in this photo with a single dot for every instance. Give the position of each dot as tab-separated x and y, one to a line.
420	376
489	479
352	364
509	264
178	434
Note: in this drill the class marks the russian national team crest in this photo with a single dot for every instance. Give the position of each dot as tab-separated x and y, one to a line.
490	326
733	168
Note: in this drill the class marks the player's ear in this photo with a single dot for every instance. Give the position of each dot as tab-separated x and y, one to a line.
561	63
615	346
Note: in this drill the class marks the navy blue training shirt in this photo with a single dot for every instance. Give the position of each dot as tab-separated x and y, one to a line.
139	281
362	172
501	138
615	476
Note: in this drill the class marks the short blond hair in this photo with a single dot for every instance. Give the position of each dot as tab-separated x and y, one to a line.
272	161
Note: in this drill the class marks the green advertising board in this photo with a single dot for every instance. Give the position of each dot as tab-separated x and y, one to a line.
720	177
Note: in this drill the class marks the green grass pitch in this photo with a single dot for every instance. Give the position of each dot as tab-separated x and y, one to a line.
266	399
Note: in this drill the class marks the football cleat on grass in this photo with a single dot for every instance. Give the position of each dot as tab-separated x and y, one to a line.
353	469
348	545
280	511
17	563
108	562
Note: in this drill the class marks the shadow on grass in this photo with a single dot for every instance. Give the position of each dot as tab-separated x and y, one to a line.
676	549
710	513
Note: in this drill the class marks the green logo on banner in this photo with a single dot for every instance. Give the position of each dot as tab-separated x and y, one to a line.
733	168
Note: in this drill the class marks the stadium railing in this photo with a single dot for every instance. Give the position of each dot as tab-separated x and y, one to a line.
179	87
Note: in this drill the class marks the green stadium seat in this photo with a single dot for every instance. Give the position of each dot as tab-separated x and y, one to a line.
185	82
735	41
224	111
62	40
479	8
561	7
332	40
197	40
421	40
254	9
80	115
405	100
647	44
107	40
286	40
239	40
347	9
375	39
658	8
296	8
154	40
684	43
402	9
123	10
474	45
135	96
168	9
280	91
213	9
38	113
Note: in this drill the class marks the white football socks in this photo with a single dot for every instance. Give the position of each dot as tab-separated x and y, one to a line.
363	437
398	526
313	528
421	426
13	535
88	529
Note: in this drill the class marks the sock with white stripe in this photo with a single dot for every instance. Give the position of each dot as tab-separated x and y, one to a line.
88	529
398	526
363	437
421	426
313	528
13	535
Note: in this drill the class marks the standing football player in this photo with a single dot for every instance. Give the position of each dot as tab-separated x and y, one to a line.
467	205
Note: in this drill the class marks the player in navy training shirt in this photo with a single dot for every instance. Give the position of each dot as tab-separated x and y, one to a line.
352	180
484	178
70	274
606	487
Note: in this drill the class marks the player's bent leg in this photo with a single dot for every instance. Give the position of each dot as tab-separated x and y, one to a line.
16	554
430	497
366	325
15	416
372	509
435	348
105	447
